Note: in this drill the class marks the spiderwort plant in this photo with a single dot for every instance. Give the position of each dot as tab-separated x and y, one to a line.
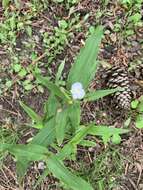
61	120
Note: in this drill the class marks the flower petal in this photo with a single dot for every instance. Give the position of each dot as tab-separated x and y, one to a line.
77	91
76	85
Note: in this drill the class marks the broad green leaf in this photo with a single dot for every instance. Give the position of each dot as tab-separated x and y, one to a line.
51	106
34	116
84	68
74	114
52	87
139	121
60	125
46	135
106	132
63	174
26	153
5	147
95	95
29	152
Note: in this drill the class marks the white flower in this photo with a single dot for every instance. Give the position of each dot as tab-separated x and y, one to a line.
77	91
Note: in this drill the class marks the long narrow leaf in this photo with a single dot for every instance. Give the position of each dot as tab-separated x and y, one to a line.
45	137
84	68
60	125
59	73
29	152
101	130
31	113
95	95
74	115
61	172
52	87
21	167
69	148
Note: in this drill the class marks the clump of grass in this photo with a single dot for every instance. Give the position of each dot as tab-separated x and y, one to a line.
105	170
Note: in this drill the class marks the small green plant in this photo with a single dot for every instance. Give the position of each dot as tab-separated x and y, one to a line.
137	105
60	127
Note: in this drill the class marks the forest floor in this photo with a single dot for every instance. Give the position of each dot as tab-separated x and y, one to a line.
43	34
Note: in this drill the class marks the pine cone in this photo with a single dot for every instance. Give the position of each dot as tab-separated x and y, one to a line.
118	77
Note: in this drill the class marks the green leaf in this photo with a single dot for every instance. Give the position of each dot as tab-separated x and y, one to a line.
139	121
63	24
95	95
74	114
17	67
116	139
28	86
69	148
52	87
134	104
59	73
61	123
21	167
24	154
22	73
34	116
106	132
87	143
29	152
51	105
62	173
136	17
46	135
84	68
5	147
